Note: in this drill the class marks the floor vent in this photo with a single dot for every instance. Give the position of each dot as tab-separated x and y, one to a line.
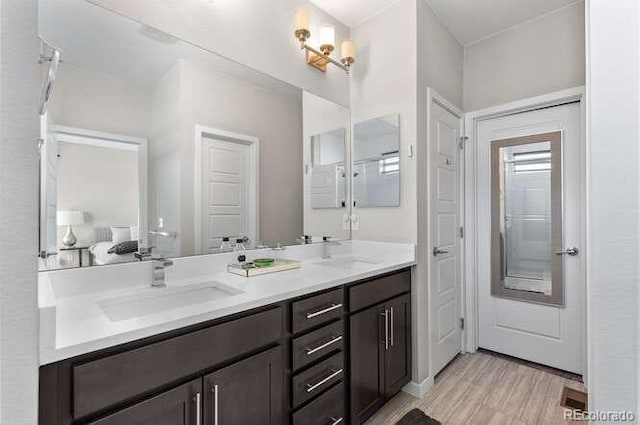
574	399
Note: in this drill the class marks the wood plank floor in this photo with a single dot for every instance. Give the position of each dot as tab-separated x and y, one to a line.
484	389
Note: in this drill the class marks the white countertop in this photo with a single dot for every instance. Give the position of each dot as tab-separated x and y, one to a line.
72	321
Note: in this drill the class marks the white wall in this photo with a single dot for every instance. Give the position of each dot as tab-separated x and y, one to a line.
534	58
102	182
613	133
84	98
19	90
256	33
384	82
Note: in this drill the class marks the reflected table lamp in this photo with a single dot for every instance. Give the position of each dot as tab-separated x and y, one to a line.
69	218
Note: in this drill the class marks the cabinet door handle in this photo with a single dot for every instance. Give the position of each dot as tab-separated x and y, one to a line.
311	351
391	325
386	328
214	390
336	421
313	387
323	311
198	400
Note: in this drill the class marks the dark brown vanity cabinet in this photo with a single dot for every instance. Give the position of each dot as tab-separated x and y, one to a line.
247	392
380	345
327	358
178	406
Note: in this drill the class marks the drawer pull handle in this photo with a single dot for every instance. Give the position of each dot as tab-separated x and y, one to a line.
215	404
198	400
323	311
336	421
311	351
313	387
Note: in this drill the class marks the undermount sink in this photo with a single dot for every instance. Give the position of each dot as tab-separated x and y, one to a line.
345	262
156	300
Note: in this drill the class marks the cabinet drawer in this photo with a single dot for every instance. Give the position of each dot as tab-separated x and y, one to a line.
377	290
316	344
328	409
111	380
316	310
311	382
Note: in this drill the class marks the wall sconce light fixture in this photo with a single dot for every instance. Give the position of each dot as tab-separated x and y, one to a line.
321	58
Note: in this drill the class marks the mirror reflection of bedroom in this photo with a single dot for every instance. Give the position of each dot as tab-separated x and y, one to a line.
97	199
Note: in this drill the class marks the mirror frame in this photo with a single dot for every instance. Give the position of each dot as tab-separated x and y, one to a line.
557	262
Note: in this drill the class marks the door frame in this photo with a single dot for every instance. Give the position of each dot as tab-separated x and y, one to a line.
433	97
103	139
202	131
472	119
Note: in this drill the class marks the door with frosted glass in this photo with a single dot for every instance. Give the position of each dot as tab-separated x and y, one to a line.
530	227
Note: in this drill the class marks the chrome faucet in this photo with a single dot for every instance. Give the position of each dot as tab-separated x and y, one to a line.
158	278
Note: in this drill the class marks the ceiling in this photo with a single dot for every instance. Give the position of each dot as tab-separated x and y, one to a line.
468	20
92	37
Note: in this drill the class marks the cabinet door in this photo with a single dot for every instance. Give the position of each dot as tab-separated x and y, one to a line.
398	355
249	392
367	348
179	406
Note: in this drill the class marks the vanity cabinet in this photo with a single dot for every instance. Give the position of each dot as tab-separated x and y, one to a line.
330	357
380	344
178	406
247	392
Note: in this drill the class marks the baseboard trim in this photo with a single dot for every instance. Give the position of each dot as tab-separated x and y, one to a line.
418	390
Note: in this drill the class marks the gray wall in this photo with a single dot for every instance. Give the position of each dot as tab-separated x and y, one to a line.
226	103
534	58
19	90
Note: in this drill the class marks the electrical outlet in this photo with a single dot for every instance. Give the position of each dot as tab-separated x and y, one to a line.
346	222
355	222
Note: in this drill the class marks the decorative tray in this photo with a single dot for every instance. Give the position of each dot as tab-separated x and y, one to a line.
249	269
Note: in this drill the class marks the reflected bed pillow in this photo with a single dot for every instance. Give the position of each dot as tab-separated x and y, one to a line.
120	234
126	247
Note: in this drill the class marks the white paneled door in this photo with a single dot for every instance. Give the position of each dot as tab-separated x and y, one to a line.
227	207
445	249
535	227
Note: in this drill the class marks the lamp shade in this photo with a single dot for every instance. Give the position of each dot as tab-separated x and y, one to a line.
302	19
348	50
327	35
68	218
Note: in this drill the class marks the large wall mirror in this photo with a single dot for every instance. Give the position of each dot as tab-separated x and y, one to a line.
150	142
526	217
376	162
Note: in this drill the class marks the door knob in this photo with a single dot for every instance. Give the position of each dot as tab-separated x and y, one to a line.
573	251
437	251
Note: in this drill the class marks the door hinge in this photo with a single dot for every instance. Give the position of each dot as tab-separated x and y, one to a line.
462	323
461	231
462	140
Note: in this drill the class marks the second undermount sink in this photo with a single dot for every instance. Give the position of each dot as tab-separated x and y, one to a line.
156	300
346	262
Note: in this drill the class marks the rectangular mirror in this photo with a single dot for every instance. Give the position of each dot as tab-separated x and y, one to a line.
328	177
150	143
527	218
376	162
326	167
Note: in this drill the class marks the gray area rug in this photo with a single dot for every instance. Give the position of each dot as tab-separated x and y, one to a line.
417	417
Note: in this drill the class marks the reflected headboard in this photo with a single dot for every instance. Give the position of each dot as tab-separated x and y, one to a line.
103	234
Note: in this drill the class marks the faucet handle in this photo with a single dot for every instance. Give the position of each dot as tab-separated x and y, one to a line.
326	238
